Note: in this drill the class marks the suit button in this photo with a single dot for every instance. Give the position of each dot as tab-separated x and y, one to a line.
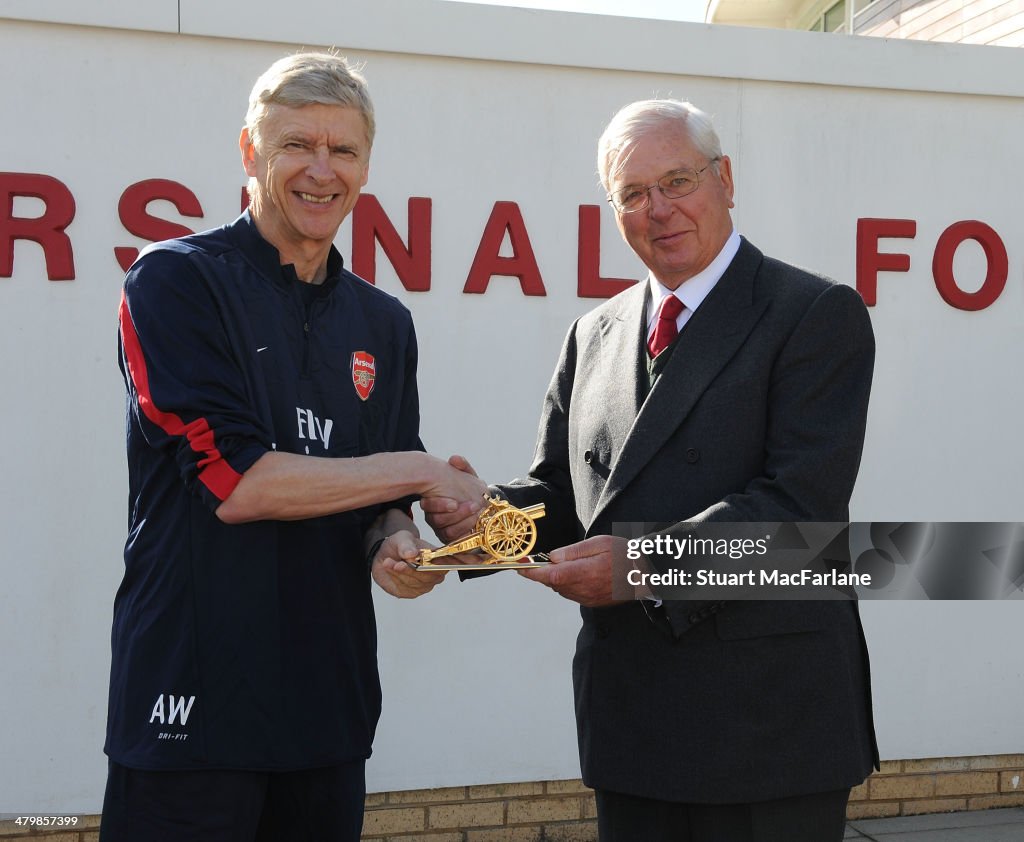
693	618
601	632
588	457
692	455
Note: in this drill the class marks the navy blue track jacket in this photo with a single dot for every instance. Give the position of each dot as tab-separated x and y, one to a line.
248	646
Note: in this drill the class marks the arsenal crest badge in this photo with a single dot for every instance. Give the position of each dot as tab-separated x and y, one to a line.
364	372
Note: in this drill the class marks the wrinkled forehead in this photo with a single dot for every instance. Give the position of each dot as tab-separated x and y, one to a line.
648	155
330	120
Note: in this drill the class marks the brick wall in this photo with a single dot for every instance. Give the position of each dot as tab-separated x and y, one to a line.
940	785
563	811
552	811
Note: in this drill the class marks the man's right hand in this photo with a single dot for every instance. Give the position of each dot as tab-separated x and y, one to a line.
451	516
290	486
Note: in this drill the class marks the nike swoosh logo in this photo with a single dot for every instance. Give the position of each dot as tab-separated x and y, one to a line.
264	348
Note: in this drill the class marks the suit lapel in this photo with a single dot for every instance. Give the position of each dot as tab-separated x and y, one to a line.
623	363
710	339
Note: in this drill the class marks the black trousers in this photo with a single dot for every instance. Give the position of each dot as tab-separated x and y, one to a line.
820	817
311	805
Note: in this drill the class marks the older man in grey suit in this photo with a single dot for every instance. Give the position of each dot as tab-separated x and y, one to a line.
728	388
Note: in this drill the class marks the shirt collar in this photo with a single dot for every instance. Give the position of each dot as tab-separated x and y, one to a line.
693	291
266	259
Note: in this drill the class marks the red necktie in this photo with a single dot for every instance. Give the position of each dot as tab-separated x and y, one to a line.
665	330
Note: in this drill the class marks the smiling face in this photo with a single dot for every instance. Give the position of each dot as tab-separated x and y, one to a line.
308	166
675	238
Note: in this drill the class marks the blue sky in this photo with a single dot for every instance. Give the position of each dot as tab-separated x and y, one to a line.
691	10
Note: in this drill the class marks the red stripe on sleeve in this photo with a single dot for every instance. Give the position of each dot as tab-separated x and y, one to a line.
214	472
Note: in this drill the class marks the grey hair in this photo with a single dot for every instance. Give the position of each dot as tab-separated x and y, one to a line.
639	117
309	79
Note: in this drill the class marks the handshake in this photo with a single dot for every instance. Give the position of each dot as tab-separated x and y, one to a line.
485	533
452	498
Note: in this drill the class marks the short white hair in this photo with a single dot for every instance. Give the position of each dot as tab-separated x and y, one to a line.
309	79
639	117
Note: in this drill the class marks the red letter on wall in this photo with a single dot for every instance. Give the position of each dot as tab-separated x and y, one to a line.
370	225
47	230
136	220
870	262
942	265
523	265
589	283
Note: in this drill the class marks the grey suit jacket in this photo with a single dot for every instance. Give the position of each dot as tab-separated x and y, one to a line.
758	417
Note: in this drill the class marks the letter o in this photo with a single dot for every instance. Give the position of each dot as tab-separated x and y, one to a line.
995	255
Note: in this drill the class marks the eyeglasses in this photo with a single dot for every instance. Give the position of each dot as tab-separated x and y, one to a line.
673	185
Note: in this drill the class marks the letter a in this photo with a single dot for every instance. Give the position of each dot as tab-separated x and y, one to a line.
505	218
158	710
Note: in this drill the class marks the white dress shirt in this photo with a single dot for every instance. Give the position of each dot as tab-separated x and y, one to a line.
692	291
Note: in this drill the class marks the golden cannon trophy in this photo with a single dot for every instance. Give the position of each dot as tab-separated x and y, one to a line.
502	538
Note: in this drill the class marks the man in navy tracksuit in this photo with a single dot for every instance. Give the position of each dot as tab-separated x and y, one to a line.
273	451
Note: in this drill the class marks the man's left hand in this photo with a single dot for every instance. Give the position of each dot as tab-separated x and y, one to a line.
395	576
582	572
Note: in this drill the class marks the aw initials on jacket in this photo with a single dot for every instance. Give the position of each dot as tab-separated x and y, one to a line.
177	707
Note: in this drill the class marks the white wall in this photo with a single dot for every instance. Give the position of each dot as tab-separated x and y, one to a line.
476	105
